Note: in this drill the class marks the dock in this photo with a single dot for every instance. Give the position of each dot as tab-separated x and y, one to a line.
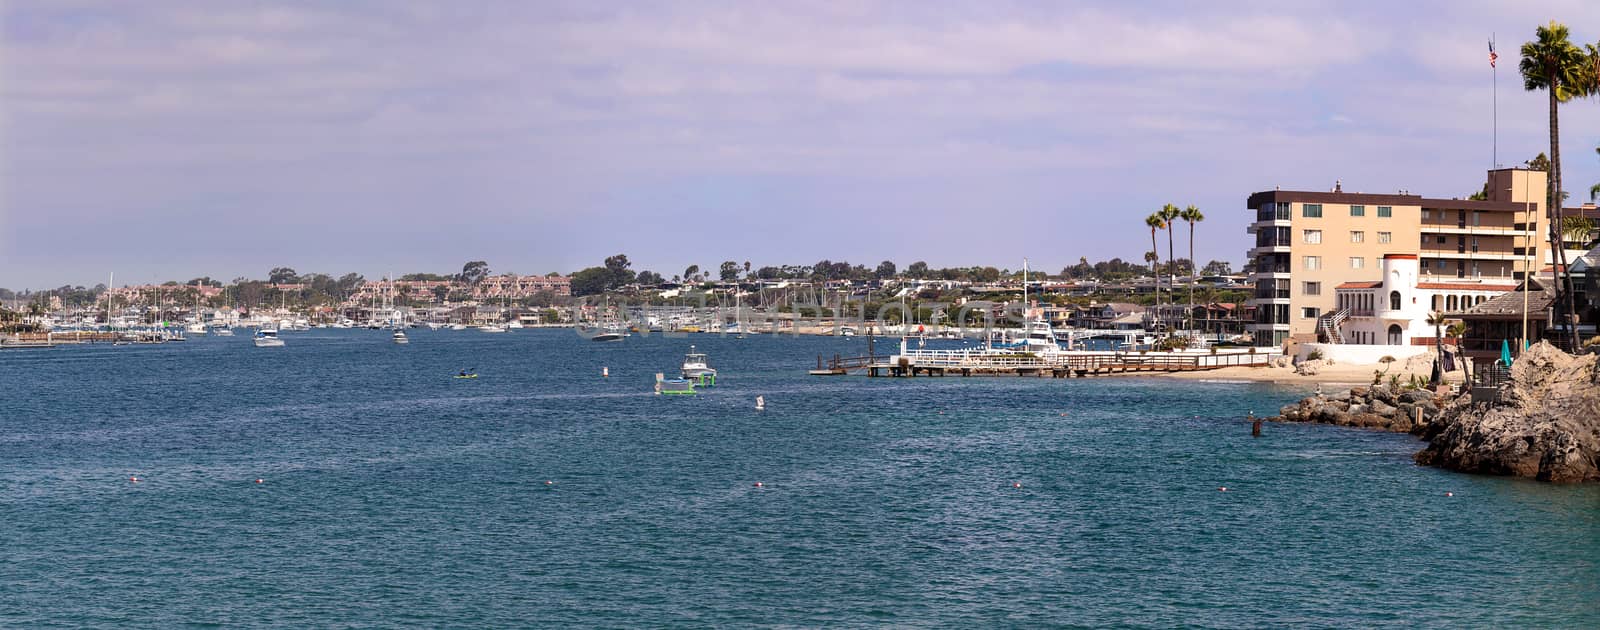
1067	364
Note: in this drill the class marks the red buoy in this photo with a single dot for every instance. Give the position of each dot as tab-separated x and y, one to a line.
1016	485
549	483
260	481
1222	489
758	484
134	479
1449	494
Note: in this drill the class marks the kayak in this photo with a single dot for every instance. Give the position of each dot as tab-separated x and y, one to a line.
466	376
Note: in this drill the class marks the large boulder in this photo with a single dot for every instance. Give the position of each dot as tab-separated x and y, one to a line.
1547	427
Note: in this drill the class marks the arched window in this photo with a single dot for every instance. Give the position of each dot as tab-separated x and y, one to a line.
1394	300
1394	333
1450	303
1436	302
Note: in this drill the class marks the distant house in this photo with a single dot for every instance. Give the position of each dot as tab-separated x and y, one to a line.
1497	322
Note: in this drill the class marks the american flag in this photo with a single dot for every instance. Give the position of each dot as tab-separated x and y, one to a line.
1492	56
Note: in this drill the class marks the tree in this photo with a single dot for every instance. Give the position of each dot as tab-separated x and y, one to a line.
917	270
1192	215
617	266
1155	222
591	281
1553	64
473	272
1169	213
349	282
440	292
1218	268
1540	162
729	271
282	275
1436	319
648	278
691	273
885	270
419	277
746	269
1577	230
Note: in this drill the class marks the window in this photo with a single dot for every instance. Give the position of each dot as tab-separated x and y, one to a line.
1385	212
1477	218
1313	237
1426	214
1385	237
1311	263
1356	262
1358	211
1394	300
1311	210
1441	239
1309	312
1312	288
1358	237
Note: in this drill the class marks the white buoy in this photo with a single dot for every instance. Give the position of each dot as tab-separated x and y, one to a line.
605	372
761	403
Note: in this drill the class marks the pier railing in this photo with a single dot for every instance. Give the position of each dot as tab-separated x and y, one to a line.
1088	361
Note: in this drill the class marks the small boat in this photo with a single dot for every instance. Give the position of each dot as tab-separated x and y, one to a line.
696	367
268	338
675	387
515	324
467	375
458	327
399	337
492	328
611	332
222	331
196	328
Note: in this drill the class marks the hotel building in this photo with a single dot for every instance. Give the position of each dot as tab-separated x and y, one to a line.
1309	243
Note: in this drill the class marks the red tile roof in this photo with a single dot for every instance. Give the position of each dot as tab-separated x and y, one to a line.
1361	285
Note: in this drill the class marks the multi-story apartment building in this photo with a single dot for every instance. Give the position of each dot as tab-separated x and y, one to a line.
1309	243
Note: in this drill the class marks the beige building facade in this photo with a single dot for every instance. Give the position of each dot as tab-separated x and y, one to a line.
1309	243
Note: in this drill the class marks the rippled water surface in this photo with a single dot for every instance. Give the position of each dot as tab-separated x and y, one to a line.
395	495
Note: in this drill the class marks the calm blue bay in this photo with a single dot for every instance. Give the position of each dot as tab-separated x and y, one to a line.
396	495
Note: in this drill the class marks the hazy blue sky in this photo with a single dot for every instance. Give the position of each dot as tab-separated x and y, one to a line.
165	140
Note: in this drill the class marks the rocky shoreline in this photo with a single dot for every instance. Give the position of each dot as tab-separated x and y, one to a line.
1544	424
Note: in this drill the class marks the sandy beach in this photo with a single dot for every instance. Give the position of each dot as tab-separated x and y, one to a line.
1337	373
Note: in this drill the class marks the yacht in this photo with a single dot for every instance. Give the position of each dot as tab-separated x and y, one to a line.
196	328
222	331
399	337
514	324
492	328
609	333
458	327
268	338
695	366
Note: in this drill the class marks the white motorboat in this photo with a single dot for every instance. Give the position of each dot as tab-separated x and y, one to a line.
222	331
458	327
514	324
492	328
196	328
695	365
268	338
399	337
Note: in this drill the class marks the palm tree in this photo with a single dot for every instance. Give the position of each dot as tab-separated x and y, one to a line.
1553	64
1155	222
1169	213
1193	215
1577	230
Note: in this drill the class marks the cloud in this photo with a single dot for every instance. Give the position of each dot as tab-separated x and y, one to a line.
529	114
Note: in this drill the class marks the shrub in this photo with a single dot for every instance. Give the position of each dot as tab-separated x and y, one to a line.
1315	355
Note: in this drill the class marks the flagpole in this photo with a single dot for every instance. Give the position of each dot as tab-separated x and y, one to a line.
1494	73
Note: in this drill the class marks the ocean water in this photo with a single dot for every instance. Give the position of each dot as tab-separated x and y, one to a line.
395	495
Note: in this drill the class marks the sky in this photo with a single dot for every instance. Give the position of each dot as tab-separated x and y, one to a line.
165	140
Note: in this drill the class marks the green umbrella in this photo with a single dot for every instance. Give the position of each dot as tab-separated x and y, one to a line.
1505	352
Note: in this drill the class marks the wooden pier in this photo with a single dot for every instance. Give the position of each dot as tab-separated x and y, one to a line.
1077	364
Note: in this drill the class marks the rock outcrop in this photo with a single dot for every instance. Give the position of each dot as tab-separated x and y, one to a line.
1378	407
1545	426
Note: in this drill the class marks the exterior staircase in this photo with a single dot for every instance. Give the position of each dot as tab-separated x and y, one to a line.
1328	325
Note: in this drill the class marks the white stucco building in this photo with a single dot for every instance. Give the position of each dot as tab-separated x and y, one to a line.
1394	310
